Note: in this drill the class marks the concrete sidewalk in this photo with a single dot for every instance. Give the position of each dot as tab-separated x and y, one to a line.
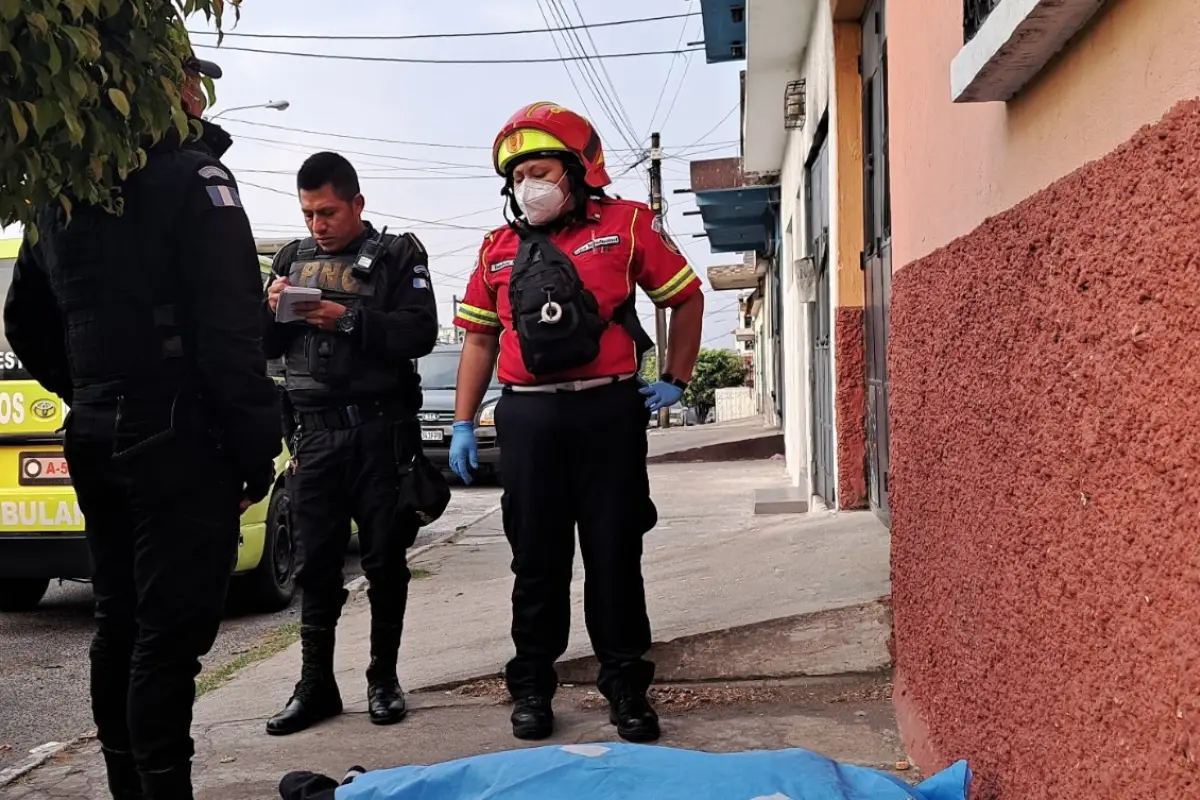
733	598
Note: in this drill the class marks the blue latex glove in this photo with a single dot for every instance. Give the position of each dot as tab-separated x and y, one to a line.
464	450
661	395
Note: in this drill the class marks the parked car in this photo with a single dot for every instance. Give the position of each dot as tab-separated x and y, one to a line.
41	526
439	376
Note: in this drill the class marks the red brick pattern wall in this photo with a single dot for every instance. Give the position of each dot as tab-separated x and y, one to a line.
1045	380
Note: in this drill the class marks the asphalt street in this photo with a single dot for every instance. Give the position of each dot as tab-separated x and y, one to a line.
43	654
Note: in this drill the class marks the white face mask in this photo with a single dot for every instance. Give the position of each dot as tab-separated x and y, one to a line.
540	201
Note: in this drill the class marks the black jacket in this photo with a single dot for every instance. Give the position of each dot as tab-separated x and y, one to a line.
397	324
159	300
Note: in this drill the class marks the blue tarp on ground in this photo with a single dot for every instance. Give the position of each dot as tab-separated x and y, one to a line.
611	771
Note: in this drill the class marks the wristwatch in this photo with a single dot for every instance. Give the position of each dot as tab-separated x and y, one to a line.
348	322
671	379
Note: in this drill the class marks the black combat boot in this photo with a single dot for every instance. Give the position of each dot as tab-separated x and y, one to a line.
532	718
635	718
169	784
316	697
123	779
385	698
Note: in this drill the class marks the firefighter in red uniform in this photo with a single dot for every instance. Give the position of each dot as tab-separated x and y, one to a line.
553	295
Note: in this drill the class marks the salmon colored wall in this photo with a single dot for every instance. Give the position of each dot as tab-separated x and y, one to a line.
955	164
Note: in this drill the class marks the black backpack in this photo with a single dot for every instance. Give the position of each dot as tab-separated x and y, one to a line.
557	319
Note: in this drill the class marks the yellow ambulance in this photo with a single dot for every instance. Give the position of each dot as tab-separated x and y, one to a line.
41	526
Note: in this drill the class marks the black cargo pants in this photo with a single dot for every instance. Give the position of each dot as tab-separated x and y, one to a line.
162	527
344	473
577	458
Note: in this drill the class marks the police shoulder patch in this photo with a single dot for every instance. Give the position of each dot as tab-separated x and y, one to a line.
208	172
224	196
420	283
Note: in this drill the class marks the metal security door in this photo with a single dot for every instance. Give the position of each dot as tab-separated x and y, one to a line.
821	370
877	255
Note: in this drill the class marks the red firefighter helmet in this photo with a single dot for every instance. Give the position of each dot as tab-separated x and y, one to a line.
546	129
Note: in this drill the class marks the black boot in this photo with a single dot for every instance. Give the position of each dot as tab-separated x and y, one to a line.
635	718
385	698
123	779
316	697
169	784
532	718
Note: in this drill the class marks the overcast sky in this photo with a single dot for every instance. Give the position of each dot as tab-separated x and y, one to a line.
461	107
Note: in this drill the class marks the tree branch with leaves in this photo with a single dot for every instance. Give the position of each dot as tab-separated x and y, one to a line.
85	87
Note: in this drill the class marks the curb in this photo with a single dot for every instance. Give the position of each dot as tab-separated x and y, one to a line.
43	753
39	756
360	583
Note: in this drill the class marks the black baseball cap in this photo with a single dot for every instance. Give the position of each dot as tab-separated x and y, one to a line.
205	68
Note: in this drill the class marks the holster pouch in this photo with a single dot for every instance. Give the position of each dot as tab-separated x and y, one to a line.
330	358
424	492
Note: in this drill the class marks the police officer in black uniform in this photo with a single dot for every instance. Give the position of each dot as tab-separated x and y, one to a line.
354	394
147	324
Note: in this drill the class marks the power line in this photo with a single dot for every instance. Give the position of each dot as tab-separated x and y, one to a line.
412	143
400	217
395	60
592	78
603	68
458	35
670	72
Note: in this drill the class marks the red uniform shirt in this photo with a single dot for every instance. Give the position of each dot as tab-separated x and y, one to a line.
619	247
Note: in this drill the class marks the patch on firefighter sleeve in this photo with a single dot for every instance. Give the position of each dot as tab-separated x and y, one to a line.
659	227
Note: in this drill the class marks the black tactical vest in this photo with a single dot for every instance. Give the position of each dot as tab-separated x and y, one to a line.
320	362
116	279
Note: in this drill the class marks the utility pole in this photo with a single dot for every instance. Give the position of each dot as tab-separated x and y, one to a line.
660	314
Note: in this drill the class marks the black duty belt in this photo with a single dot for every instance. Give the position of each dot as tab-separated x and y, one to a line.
332	419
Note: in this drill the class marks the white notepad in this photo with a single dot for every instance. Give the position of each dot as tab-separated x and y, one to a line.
286	311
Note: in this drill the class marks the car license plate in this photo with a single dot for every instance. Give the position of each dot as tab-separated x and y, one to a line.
434	435
44	469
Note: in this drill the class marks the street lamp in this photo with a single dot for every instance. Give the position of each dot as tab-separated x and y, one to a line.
274	105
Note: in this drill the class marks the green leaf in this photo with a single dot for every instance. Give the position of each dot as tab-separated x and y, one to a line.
120	101
18	121
48	115
181	121
9	9
66	204
79	84
74	127
210	91
38	22
83	47
54	62
76	8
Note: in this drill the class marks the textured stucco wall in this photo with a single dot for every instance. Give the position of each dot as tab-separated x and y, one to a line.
850	408
954	165
1046	485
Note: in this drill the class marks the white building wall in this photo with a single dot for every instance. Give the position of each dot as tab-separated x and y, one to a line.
817	69
733	403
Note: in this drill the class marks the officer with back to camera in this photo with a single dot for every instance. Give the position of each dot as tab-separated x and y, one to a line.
147	324
354	393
